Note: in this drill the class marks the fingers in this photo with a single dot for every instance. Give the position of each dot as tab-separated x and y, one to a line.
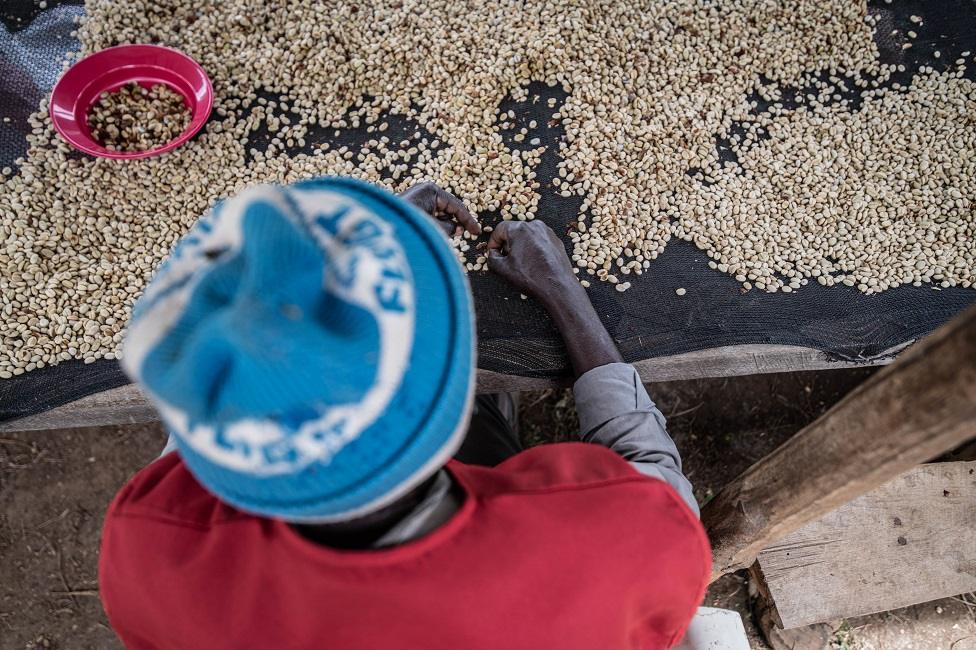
449	228
443	206
500	238
507	233
498	263
499	247
448	204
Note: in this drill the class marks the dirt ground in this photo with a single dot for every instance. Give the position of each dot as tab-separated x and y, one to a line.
55	486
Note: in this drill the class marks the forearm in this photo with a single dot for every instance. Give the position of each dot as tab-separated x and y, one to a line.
613	406
587	341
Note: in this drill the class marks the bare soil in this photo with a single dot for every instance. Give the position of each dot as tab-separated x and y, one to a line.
54	489
56	485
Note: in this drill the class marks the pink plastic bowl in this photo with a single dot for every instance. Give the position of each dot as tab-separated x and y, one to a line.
110	69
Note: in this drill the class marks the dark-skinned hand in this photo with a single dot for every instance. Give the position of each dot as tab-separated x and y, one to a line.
530	256
447	209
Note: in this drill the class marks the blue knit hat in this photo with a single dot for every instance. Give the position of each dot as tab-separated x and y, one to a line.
310	348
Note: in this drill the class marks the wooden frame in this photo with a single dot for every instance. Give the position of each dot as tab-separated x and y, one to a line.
910	541
919	407
127	405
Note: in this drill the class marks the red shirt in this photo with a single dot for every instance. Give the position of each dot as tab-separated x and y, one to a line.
562	546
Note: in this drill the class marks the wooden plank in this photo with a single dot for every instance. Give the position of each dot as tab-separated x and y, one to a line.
918	407
497	382
910	541
808	637
123	405
126	405
737	360
725	361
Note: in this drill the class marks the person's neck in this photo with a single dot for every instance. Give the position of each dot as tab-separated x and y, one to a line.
363	532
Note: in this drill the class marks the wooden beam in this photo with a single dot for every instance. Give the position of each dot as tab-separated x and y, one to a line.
725	361
122	405
918	407
909	541
738	360
127	405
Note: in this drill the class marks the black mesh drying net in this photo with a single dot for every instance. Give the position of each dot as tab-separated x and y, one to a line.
515	336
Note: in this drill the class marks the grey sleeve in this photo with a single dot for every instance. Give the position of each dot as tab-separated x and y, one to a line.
615	411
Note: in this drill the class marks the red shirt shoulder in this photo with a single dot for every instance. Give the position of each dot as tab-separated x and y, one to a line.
564	465
166	490
568	534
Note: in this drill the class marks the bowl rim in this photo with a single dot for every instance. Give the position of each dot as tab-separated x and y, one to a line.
90	146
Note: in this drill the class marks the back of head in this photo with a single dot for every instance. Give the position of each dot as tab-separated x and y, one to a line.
310	348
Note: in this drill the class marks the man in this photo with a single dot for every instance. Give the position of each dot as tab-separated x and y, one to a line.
311	350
